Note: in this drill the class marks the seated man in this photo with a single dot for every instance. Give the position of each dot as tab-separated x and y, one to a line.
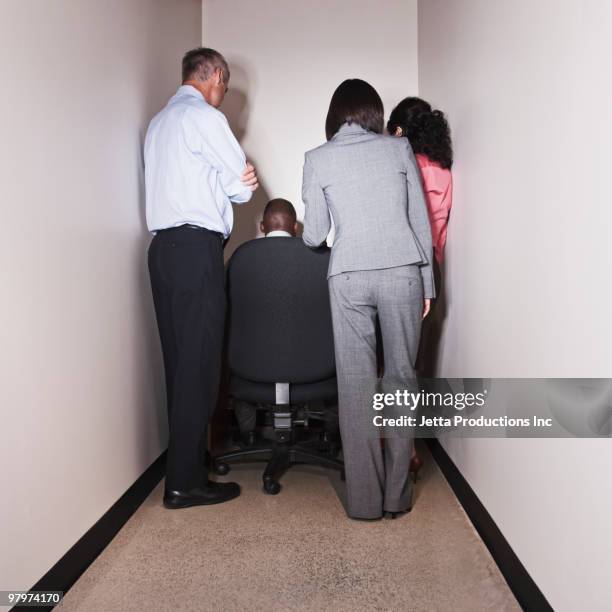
279	220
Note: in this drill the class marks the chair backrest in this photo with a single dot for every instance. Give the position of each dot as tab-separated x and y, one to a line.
279	317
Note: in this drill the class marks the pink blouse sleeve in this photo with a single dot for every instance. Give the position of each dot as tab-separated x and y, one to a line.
438	188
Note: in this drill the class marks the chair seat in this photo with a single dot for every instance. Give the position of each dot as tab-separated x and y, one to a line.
265	393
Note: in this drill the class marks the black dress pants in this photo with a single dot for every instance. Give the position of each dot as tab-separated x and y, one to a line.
187	279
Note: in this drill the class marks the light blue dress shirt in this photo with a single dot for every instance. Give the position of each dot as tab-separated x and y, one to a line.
193	165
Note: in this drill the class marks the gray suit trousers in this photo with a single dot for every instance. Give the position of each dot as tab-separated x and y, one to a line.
376	480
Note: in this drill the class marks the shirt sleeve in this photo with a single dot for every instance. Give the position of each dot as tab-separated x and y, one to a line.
418	217
437	186
210	135
317	221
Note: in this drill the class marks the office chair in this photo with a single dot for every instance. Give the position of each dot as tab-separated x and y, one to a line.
280	349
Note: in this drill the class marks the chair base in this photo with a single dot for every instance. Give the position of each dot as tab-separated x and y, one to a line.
280	456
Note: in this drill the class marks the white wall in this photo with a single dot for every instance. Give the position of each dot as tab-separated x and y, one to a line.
81	385
527	94
286	59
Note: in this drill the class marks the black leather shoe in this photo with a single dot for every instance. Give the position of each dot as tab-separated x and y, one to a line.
212	493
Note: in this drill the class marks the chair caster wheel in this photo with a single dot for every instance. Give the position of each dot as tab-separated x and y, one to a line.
271	487
221	469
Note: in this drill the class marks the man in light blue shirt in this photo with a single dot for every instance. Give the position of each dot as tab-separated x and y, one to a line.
194	166
194	170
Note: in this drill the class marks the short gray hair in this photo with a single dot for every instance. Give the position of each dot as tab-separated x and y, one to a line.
199	64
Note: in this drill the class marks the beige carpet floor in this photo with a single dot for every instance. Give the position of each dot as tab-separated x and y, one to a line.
295	551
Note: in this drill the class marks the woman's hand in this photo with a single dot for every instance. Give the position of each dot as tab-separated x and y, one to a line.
426	307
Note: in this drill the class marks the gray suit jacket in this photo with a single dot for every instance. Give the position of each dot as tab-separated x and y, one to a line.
371	186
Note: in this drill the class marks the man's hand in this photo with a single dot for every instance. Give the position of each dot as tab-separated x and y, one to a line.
249	177
426	307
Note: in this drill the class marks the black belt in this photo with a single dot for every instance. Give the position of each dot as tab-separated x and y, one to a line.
195	227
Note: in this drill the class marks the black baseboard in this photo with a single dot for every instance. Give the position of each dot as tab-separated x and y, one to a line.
70	567
520	582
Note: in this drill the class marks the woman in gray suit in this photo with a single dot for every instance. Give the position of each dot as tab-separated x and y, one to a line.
380	264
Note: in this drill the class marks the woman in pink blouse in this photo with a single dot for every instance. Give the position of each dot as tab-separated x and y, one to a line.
429	135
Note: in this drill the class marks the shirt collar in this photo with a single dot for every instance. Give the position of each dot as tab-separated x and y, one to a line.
278	233
189	90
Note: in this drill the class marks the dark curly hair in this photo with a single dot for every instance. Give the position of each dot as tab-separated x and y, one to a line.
426	129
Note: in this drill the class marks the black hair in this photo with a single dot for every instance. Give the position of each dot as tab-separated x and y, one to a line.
200	63
427	130
280	206
355	101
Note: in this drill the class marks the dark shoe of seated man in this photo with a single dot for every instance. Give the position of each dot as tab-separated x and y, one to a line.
206	495
246	417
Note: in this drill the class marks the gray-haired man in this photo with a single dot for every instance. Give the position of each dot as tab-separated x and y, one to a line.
194	170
